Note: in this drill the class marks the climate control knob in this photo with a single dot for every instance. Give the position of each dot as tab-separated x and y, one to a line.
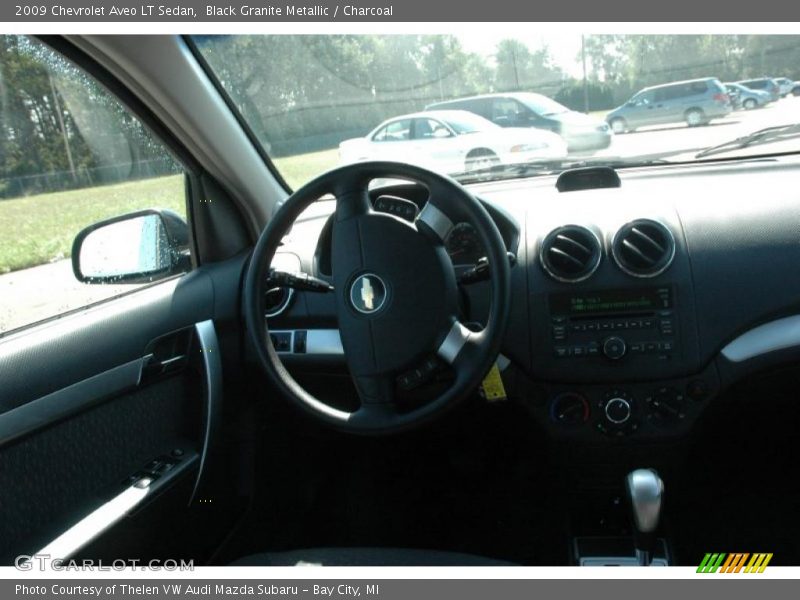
614	347
618	411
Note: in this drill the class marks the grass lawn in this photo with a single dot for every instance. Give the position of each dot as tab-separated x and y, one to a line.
39	229
300	168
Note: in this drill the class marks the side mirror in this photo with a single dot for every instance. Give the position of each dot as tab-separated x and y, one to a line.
139	247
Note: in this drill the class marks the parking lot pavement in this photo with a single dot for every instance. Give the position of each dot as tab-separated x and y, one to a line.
34	294
680	139
47	290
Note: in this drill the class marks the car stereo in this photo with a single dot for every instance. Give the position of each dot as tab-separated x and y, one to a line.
613	323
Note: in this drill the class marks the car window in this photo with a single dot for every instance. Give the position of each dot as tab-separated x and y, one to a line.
644	98
507	110
396	131
71	156
698	87
662	94
426	129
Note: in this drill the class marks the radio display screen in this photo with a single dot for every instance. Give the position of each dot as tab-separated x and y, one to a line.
611	301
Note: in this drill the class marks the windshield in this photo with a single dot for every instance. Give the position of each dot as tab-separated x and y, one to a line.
534	105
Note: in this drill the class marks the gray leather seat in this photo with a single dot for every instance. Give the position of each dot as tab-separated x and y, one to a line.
367	557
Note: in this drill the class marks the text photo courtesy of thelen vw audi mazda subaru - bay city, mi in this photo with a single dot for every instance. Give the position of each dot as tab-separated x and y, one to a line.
413	299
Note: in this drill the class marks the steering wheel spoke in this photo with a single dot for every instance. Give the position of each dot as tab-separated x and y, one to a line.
434	223
460	347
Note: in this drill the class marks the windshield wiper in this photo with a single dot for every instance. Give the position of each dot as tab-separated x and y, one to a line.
762	136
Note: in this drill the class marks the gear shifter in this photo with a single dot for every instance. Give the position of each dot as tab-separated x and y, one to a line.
645	492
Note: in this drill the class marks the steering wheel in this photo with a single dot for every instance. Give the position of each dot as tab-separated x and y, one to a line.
396	295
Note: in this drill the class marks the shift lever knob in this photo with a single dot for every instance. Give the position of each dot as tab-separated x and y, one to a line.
645	491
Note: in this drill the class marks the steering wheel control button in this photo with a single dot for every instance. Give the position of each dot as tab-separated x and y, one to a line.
368	293
422	374
614	347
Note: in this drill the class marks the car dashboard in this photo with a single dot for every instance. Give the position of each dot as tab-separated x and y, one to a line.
633	307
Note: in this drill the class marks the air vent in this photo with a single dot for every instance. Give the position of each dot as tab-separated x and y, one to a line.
643	248
570	253
276	300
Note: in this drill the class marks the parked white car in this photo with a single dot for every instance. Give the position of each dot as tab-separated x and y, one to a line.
452	141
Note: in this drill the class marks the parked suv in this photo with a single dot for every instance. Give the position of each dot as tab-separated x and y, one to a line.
695	101
764	83
526	109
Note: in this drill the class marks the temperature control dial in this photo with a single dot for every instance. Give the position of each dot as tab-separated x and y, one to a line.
569	408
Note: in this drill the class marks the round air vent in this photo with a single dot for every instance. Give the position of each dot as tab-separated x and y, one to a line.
570	253
643	248
276	300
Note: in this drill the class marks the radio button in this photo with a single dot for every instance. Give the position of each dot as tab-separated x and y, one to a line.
614	347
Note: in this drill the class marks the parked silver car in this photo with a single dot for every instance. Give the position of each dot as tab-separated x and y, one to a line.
695	102
527	109
786	85
766	84
744	97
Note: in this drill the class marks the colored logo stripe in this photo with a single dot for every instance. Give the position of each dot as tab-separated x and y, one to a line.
734	563
711	563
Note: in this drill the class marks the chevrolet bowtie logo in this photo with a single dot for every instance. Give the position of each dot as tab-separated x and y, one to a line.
367	293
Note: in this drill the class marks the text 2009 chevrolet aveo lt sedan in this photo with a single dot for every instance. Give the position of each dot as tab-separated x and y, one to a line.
220	344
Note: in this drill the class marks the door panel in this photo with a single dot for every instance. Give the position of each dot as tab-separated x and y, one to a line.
90	400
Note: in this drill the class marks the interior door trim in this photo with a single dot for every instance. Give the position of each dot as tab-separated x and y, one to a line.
212	371
56	406
112	512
